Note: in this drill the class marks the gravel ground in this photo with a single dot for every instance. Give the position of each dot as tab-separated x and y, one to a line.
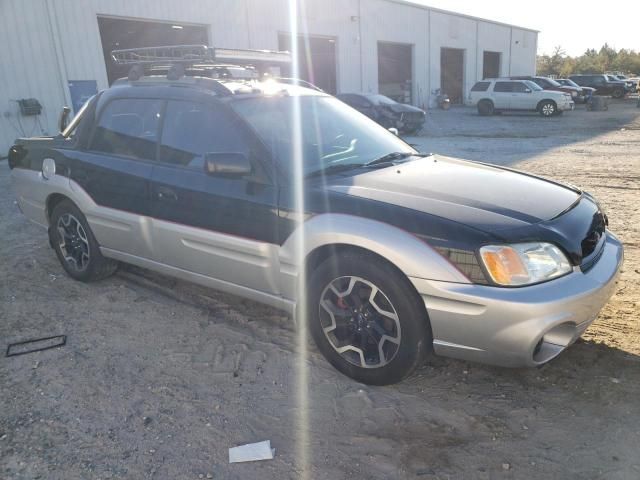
160	377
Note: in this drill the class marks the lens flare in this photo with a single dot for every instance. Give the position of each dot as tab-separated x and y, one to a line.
302	370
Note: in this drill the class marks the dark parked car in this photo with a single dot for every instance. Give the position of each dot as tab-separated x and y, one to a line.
387	112
286	196
576	92
602	84
587	92
632	85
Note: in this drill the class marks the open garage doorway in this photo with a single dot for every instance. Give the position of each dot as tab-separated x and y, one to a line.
452	73
317	60
119	33
491	65
395	71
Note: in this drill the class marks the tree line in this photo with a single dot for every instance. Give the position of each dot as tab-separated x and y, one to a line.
606	59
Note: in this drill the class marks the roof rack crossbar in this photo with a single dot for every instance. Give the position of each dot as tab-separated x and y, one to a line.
193	54
167	55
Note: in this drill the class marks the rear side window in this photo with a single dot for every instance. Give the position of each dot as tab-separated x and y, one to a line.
192	130
481	87
503	87
128	127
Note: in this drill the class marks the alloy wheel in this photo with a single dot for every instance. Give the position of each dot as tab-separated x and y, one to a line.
360	322
73	242
548	109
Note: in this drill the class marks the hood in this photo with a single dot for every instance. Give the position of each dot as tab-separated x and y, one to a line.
402	108
485	197
566	88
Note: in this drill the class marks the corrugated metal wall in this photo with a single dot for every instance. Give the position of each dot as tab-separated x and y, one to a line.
29	67
46	43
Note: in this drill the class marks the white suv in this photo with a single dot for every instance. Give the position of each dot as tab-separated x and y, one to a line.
498	95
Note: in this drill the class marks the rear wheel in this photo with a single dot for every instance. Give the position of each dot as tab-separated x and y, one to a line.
547	108
76	247
485	107
367	319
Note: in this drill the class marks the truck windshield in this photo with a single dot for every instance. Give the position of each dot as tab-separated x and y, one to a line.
533	86
380	100
332	133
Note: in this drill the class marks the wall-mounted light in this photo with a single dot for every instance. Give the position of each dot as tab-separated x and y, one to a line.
176	27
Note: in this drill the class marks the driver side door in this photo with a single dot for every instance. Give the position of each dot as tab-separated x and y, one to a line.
522	97
223	227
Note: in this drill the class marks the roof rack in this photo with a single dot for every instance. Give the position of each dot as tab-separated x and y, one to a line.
177	61
192	54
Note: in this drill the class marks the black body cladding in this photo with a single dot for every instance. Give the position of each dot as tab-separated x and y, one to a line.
455	206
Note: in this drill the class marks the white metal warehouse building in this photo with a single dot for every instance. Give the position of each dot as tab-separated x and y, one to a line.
56	51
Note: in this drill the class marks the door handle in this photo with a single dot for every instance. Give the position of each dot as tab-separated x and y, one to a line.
166	194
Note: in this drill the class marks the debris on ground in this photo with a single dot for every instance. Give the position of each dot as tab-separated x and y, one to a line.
252	452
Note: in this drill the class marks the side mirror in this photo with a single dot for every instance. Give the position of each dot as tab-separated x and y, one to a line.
64	119
227	164
527	90
394	131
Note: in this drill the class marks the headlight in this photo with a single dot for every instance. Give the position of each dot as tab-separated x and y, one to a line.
574	94
524	263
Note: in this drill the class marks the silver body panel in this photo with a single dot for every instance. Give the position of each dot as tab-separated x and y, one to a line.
503	326
514	327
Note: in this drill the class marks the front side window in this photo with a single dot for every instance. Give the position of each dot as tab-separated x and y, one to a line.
331	132
503	87
519	87
128	127
192	130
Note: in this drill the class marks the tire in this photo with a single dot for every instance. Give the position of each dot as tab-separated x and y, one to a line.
485	108
396	311
547	108
76	246
618	93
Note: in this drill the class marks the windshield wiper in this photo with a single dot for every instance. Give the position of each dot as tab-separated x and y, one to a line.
390	157
341	167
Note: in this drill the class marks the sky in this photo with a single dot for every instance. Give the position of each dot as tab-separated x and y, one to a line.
574	25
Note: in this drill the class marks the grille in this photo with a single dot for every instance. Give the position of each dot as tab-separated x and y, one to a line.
596	231
412	116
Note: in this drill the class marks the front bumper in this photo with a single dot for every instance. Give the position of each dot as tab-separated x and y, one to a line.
519	327
566	106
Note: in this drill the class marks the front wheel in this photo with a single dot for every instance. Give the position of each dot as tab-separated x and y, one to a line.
367	319
618	93
76	247
548	109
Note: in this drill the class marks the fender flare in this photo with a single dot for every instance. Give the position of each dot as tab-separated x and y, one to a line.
408	253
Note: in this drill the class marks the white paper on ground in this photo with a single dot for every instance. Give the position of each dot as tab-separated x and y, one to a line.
252	452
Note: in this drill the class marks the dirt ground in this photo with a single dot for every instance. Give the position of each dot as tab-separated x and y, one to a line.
160	377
